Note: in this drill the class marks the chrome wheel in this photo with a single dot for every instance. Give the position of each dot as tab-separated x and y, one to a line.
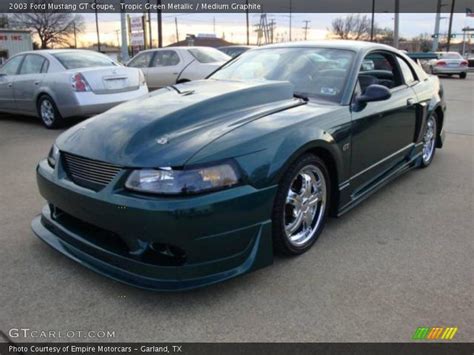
429	139
47	112
305	205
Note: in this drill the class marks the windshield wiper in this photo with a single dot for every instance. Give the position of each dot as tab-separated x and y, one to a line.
300	95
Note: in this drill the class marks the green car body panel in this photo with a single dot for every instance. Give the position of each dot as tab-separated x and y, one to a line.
261	128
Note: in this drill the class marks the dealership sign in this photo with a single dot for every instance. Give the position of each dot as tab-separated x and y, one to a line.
136	31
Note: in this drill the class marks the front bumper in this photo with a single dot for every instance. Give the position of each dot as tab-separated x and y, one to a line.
221	235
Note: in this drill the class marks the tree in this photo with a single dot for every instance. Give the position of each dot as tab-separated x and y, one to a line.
355	27
423	42
52	28
384	35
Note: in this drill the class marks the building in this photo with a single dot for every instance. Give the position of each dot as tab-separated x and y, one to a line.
13	42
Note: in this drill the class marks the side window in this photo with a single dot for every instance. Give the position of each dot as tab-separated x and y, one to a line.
32	64
141	60
379	68
165	59
406	71
11	67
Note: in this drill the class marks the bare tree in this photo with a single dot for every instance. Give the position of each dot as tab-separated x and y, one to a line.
423	42
355	27
52	28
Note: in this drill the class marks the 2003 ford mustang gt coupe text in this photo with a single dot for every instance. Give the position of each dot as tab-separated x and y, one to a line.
202	181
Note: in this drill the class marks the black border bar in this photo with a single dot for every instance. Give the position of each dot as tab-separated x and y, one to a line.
233	6
237	348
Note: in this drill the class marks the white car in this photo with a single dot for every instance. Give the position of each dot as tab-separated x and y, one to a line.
61	83
448	63
171	65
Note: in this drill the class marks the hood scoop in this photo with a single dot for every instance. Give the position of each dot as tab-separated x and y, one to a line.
189	115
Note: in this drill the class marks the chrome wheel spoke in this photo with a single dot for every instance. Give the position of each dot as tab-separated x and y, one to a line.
429	139
305	205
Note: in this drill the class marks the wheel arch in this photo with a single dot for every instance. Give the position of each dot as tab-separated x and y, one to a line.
330	155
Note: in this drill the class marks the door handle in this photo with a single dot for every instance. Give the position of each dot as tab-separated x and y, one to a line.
10	85
37	82
410	102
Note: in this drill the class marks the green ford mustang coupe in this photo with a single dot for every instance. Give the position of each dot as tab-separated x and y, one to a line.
203	181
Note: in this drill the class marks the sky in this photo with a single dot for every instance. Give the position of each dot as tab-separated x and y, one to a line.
232	26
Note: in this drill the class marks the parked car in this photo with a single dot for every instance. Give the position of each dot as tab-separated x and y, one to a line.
449	63
203	181
234	51
171	65
57	84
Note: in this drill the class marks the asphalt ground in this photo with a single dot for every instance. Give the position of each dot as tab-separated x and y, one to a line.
402	259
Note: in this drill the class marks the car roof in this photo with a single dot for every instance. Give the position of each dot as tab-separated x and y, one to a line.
175	47
52	51
236	46
337	44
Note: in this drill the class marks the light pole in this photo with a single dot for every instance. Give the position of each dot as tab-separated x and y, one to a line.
450	25
123	31
396	24
372	22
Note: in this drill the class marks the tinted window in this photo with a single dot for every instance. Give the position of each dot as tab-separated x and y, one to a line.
208	55
165	59
316	72
11	67
83	59
142	60
33	64
406	71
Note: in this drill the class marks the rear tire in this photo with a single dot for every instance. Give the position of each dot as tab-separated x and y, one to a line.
462	75
301	205
430	137
48	112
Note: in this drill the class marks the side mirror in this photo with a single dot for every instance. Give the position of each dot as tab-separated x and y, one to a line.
374	92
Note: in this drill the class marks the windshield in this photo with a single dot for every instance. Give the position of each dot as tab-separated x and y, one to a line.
208	55
83	59
314	72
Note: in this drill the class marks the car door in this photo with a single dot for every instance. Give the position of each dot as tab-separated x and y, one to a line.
383	131
28	82
142	61
7	77
164	68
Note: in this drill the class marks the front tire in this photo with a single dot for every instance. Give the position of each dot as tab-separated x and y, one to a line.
429	140
48	112
301	206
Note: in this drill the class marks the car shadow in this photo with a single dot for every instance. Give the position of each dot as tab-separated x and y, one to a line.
29	120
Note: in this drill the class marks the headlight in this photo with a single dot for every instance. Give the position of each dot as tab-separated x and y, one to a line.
187	181
53	156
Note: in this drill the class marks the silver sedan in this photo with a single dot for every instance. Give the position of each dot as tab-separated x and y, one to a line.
57	84
448	63
171	65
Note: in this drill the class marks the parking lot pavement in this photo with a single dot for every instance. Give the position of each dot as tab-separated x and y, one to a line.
401	260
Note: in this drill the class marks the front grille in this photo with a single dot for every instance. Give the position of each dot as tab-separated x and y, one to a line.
89	173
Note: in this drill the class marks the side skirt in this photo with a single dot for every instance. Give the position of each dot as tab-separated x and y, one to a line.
388	176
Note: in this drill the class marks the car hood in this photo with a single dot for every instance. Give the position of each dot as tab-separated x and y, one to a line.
167	127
